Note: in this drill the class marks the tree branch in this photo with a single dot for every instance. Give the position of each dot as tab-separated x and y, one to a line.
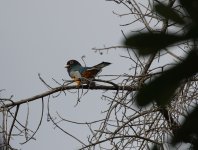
65	87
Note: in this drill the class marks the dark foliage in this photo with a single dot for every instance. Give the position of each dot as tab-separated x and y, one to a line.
162	88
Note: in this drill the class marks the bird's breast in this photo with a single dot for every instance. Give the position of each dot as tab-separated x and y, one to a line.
75	74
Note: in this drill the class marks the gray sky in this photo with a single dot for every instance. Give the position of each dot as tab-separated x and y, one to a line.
39	36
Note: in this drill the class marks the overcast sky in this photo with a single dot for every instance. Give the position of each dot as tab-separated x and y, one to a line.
40	36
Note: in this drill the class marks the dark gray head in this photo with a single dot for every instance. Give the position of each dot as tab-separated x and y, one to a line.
72	63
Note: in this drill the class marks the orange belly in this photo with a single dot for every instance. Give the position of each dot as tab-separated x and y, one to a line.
77	81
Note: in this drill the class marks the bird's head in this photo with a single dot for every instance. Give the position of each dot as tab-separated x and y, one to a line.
72	63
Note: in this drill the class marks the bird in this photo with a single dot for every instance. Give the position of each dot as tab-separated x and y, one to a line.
84	75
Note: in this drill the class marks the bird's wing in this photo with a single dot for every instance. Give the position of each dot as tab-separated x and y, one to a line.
90	72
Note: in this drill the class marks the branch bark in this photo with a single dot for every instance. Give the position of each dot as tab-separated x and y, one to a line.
65	87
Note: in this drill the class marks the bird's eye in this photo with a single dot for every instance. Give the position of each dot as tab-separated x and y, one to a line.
71	62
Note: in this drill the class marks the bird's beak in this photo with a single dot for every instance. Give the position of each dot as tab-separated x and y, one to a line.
66	66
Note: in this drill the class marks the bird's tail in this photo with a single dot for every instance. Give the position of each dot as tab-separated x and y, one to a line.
102	65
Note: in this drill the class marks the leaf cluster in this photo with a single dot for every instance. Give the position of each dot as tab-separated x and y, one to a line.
162	88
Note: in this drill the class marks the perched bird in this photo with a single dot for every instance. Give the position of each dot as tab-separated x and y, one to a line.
82	75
